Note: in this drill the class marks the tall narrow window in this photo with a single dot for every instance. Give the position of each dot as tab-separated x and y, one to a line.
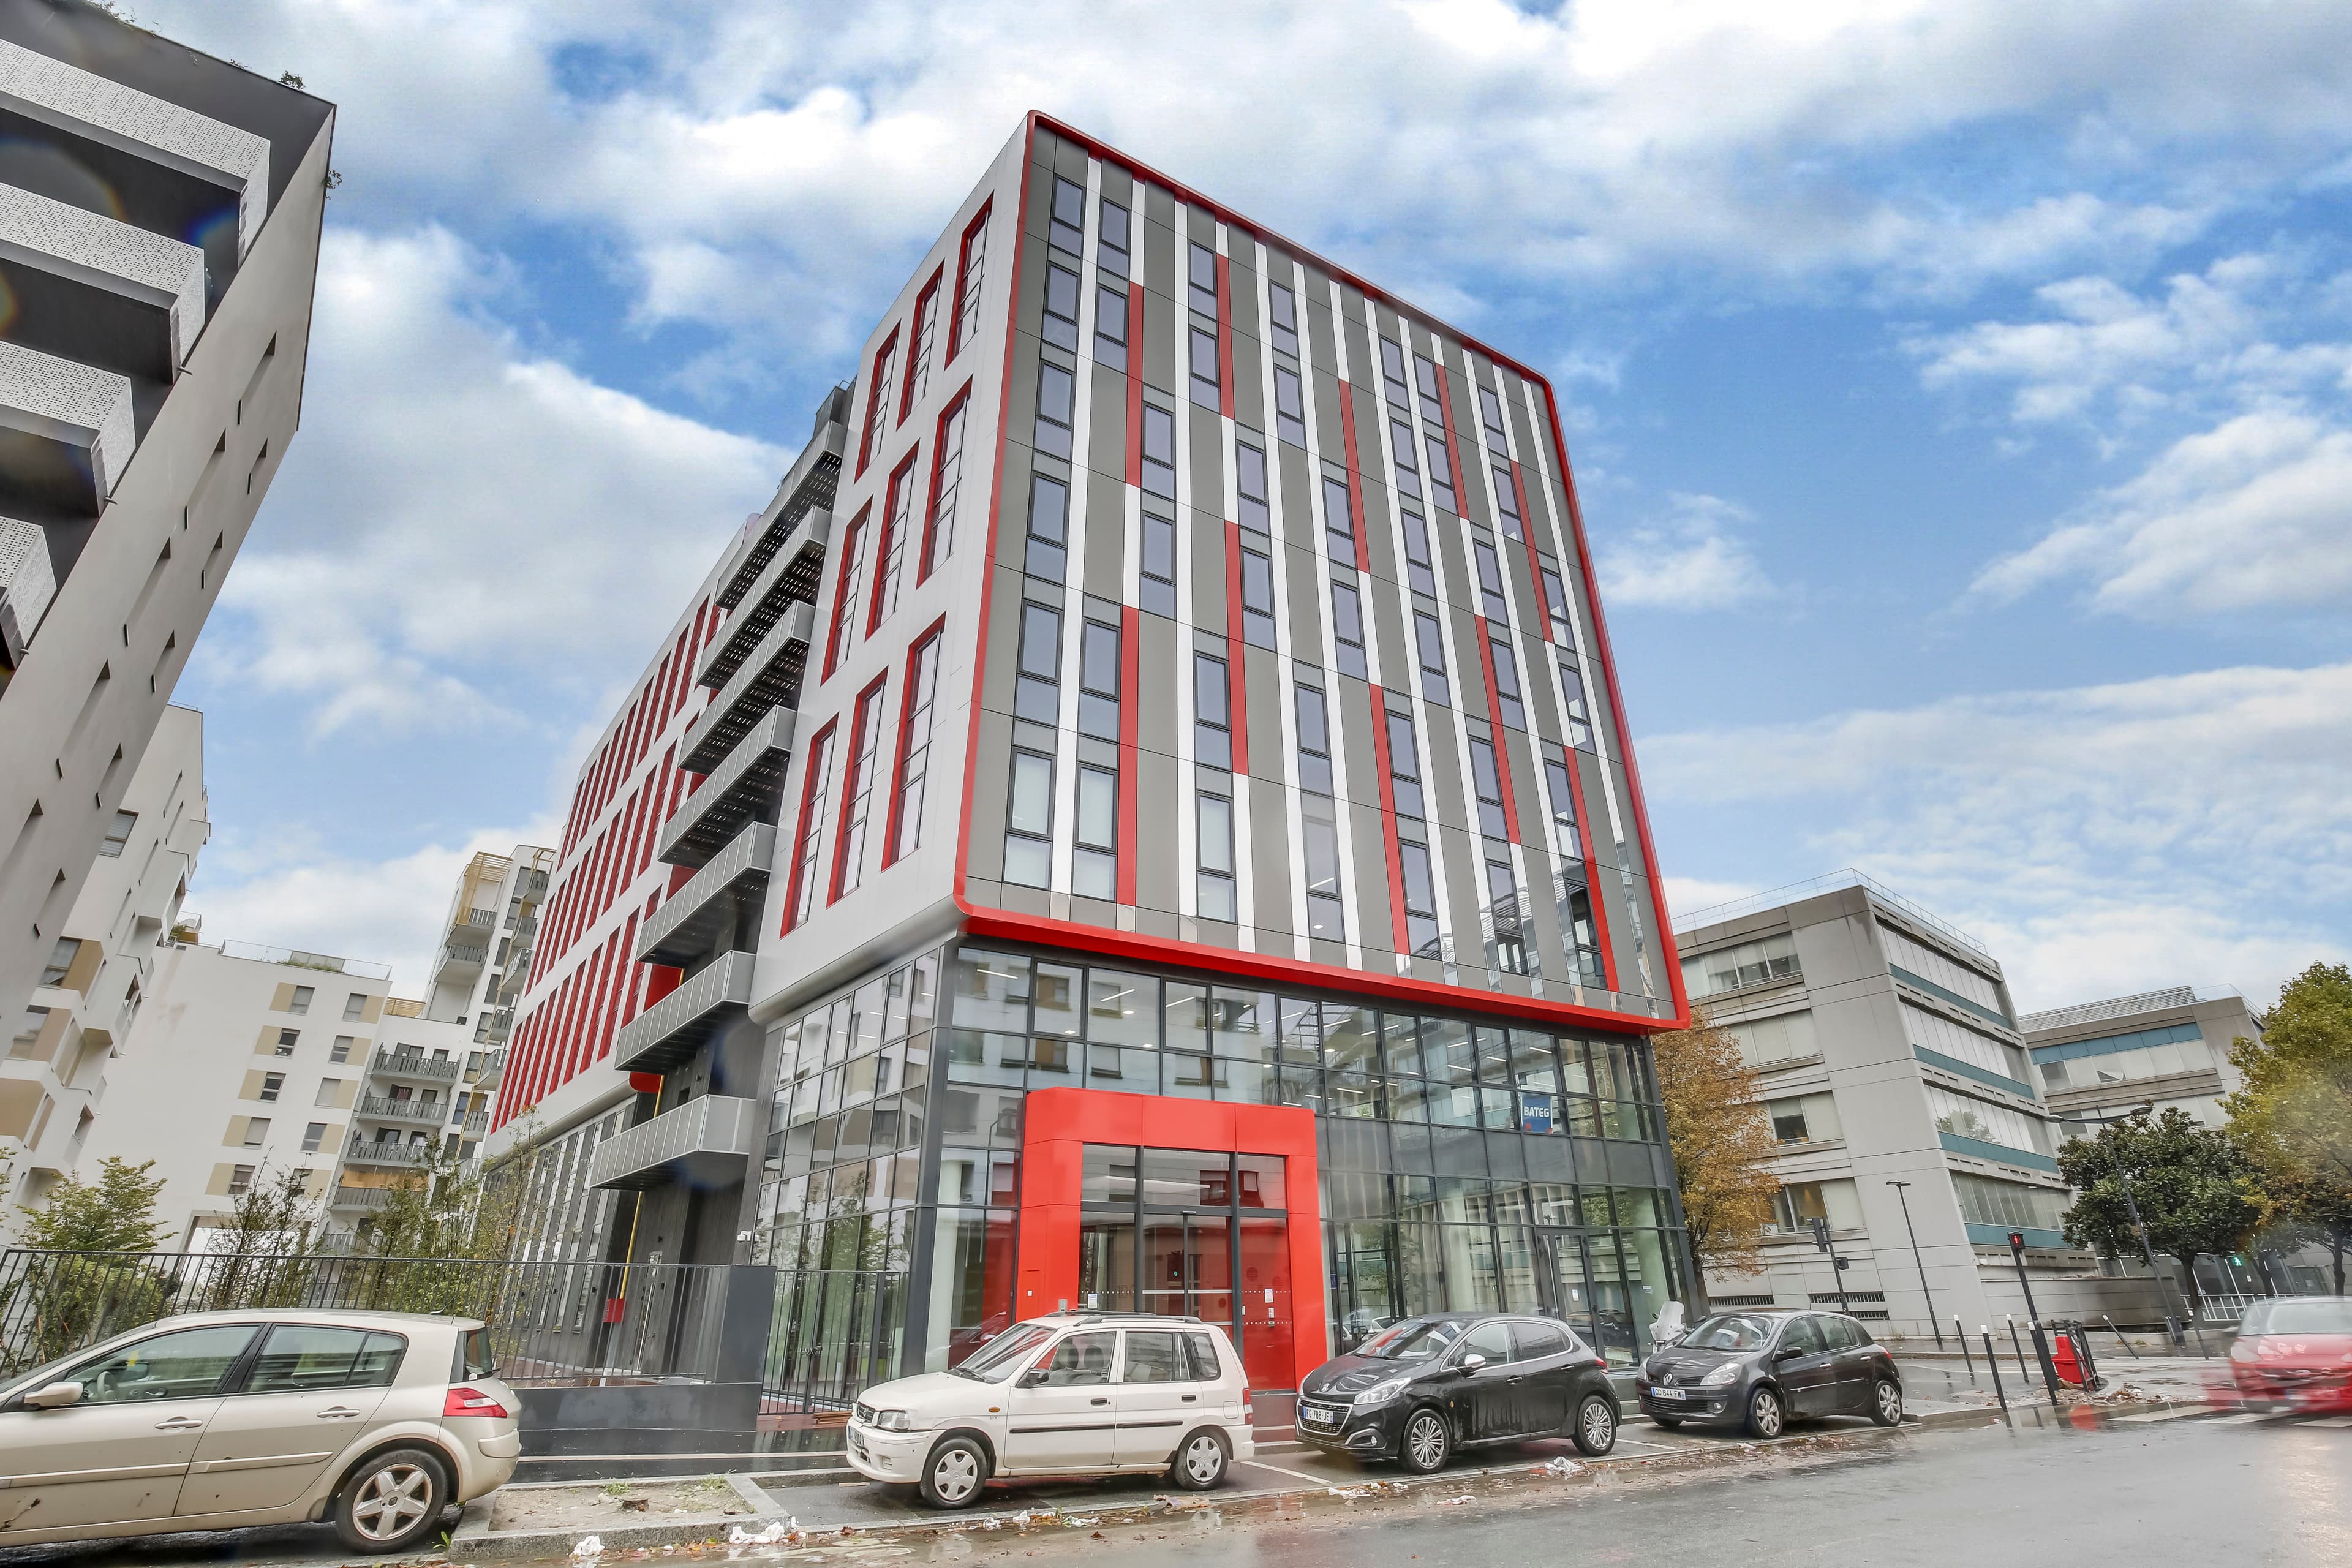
1110	245
1289	406
1580	723
1425	373
1111	325
947	478
844	604
900	502
1093	861
1576	928
1158	565
1201	279
1429	645
1507	917
1420	900
857	790
1029	821
1314	739
1564	837
1507	500
1420	571
1404	767
1441	471
1203	379
1098	678
1326	909
1487	783
1392	376
1408	475
1159	451
1037	690
1282	312
1347	630
1058	396
1339	523
1049	522
1506	680
878	404
1258	598
1213	734
1492	603
1059	325
809	852
971	265
918	349
1554	593
915	746
1250	487
1490	415
1213	829
1067	230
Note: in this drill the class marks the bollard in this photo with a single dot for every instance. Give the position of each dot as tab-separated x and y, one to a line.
2019	1346
2041	1354
2119	1334
1962	1335
1999	1392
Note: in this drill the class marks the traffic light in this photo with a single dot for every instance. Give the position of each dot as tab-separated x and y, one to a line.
2016	1241
1820	1234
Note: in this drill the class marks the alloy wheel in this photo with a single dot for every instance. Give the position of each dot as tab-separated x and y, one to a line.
1890	1405
955	1476
1598	1426
1424	1441
391	1500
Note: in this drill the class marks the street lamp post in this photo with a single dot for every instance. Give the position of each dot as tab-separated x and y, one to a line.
1903	1198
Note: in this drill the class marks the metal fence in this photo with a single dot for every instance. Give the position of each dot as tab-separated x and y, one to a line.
551	1323
837	1331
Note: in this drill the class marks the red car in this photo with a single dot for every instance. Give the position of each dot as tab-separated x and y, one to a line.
2294	1352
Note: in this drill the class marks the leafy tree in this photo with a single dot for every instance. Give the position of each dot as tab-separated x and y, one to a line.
2293	1115
1722	1142
75	1286
261	1257
114	1214
2197	1192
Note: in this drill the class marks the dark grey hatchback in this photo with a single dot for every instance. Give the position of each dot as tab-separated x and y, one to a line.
1759	1370
1420	1390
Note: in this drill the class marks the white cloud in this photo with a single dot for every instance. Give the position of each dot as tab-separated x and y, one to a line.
1692	560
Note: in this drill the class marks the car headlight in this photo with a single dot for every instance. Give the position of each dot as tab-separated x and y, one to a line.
1380	1392
1727	1373
893	1421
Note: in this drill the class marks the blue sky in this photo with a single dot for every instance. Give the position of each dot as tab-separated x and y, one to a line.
1961	398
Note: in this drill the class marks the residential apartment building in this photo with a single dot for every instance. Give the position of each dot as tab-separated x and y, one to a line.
101	969
480	967
415	1102
1897	1078
1143	817
159	238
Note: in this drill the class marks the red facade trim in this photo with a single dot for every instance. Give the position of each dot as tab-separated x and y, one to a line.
929	633
1355	477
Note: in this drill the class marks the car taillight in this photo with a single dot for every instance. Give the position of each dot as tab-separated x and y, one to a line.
472	1402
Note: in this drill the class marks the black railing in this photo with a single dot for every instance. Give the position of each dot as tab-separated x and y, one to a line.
836	1332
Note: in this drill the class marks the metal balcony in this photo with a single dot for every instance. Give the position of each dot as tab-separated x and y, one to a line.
705	1143
673	1028
477	1122
472	924
708	909
360	1198
494	1065
790	578
459	962
745	787
379	1108
769	678
815	474
415	1065
405	1156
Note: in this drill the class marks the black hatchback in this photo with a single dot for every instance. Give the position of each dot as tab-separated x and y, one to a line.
1420	1390
1760	1370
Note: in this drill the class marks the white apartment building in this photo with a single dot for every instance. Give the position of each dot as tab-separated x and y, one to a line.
483	962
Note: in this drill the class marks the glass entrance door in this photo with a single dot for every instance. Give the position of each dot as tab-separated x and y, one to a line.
1564	1280
1188	1263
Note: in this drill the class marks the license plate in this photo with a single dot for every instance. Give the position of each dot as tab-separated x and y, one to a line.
1667	1393
1319	1418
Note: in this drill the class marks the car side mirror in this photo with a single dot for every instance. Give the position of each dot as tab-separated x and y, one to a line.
1788	1352
1034	1378
56	1397
1473	1362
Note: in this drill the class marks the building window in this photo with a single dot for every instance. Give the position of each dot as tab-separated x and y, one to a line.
271	1084
1282	313
1486	780
1506	680
1392	375
1425	373
915	746
61	962
1204	369
330	1091
971	265
1250	486
1049	515
300	1001
1289	406
918	350
1554	593
1420	898
1203	293
1577	930
1314	741
1067	228
1213	825
844	604
1339	523
354	1006
1158	566
1507	499
256	1130
1213	739
1508	951
900	502
1111	325
947	478
1400	449
1159	451
1037	690
1029	821
240	1177
118	836
1565	840
1057	393
1093	865
1098	675
1111	244
1404	766
1347	630
878	400
1441	471
1060	325
286	1038
1580	724
314	1135
342	1051
1326	909
810	852
1258	598
1766	961
865	743
1420	571
1431	645
1491	602
1490	413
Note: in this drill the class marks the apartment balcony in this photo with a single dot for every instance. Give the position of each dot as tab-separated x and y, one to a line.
423	1112
672	1029
810	485
28	583
710	908
477	1122
359	1200
460	963
769	679
391	1156
473	925
705	1143
745	787
494	1065
791	577
415	1065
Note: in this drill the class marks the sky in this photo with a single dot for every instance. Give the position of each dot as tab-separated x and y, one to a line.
1960	396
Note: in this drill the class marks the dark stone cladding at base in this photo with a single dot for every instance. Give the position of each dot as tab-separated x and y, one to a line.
640	1418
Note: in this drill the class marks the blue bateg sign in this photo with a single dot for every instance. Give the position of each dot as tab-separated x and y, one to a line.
1538	1112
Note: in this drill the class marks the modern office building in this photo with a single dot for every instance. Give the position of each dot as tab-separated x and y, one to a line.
1895	1077
1142	817
159	239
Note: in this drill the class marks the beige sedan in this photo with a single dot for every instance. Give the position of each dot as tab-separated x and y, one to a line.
219	1420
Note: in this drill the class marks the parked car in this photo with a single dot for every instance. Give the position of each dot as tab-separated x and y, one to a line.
1425	1389
2294	1352
1761	1370
1066	1394
219	1420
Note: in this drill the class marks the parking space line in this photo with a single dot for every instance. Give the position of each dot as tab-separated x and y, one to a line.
1294	1475
2332	1421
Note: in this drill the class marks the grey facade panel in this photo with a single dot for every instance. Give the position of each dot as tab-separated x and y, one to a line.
1156	234
1273	862
1303	634
1316	308
1107	428
1161	366
1328	439
1249	387
1208	454
1106	535
1241	296
1207	534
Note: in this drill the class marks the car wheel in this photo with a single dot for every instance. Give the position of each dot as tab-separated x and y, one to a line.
953	1474
1427	1445
393	1501
1596	1425
1766	1415
1886	1403
1199	1464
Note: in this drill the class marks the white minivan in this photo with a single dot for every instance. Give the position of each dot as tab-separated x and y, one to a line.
1071	1393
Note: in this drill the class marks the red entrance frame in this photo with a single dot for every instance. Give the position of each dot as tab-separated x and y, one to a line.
1059	1124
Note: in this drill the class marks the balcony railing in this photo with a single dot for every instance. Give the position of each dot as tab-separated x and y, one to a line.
369	1152
769	678
493	1065
668	1032
477	1122
383	1108
706	909
743	786
415	1064
815	476
792	576
704	1142
360	1198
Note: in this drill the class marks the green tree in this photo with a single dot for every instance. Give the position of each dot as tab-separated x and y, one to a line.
78	1286
2293	1115
1722	1144
114	1214
262	1256
2196	1190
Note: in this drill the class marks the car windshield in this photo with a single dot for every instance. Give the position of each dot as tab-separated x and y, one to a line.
1415	1339
1005	1354
1730	1331
2299	1315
